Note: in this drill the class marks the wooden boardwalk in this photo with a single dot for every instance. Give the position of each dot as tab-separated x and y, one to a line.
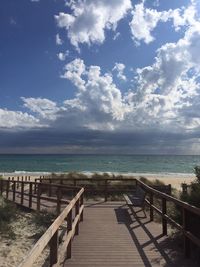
111	236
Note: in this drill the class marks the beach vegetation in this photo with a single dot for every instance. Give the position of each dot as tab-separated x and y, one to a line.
192	194
42	220
197	173
69	175
7	215
155	182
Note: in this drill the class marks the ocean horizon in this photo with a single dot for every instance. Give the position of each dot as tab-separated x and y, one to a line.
89	163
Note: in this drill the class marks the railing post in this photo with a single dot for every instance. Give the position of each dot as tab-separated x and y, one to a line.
81	203
151	208
76	213
54	249
69	228
30	195
35	186
50	192
187	248
59	196
1	185
170	189
17	181
38	196
22	193
164	221
106	190
7	187
14	190
74	183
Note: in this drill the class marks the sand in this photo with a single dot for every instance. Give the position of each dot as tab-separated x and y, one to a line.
12	251
174	179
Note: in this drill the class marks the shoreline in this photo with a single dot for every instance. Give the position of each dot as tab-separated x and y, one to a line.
175	179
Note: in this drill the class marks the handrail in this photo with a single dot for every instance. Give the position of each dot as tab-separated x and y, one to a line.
106	186
187	210
35	190
51	235
170	198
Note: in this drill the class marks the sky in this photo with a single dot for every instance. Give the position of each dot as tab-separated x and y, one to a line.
99	76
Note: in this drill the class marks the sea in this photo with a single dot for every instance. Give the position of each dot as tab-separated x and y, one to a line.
158	164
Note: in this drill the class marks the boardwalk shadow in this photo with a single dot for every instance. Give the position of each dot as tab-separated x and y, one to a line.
154	250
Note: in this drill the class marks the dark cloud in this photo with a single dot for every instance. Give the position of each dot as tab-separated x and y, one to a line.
51	141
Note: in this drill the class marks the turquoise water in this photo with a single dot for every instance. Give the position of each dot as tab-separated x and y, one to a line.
100	163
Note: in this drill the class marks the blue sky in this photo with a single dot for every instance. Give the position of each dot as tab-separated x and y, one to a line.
100	76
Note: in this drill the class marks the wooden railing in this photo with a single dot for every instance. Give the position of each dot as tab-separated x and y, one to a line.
103	187
13	189
58	254
190	216
32	193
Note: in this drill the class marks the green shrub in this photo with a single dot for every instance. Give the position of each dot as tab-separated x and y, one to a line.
193	195
197	173
7	211
43	218
151	182
7	215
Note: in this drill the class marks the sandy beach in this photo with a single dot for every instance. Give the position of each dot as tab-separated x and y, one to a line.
12	251
174	179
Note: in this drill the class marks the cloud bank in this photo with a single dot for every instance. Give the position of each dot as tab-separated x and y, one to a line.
160	110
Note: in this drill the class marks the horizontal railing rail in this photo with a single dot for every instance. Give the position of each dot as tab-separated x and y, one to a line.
58	254
187	212
34	192
103	186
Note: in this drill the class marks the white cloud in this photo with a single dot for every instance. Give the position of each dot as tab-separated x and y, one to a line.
116	36
74	72
167	88
17	120
97	96
90	19
119	68
58	40
45	108
149	18
62	56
